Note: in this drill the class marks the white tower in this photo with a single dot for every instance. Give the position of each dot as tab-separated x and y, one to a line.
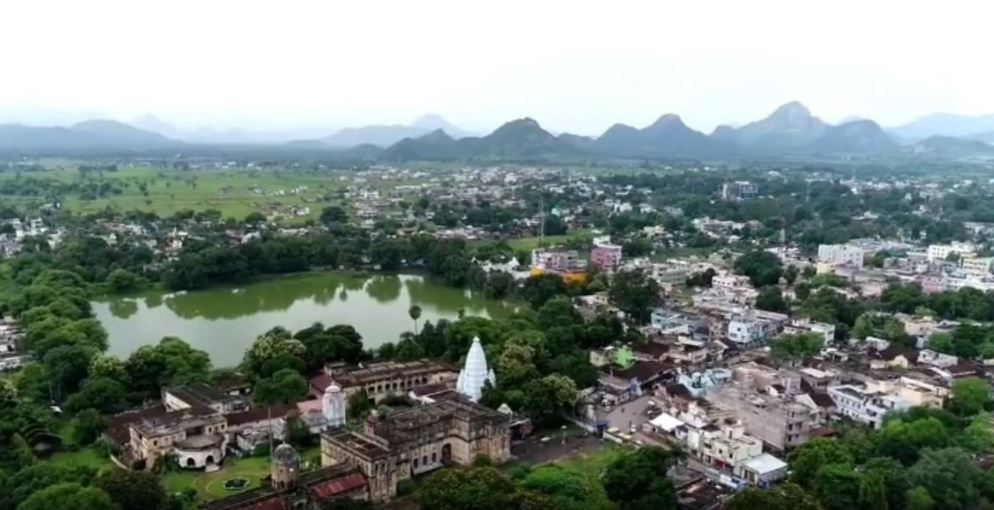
475	374
333	406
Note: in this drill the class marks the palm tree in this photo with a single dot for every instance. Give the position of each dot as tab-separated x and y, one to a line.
415	313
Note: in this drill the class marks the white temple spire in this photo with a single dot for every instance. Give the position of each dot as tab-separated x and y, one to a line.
475	374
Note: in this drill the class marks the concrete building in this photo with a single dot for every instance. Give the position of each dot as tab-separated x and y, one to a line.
977	267
669	274
801	326
841	255
418	440
738	190
940	252
865	405
779	421
606	257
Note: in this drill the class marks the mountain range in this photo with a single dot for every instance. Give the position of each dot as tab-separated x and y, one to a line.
790	131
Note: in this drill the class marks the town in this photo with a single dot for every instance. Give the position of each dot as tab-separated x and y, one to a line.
770	334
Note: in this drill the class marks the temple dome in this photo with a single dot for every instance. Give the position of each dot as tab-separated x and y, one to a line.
475	374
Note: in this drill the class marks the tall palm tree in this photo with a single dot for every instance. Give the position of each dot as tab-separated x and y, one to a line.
415	313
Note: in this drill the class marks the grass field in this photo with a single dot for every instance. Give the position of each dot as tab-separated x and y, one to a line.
210	486
84	457
235	193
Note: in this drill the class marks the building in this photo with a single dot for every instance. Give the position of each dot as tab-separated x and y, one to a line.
475	374
940	252
290	488
739	190
606	257
669	275
841	255
417	440
383	378
977	267
865	405
803	326
755	327
781	421
190	424
557	261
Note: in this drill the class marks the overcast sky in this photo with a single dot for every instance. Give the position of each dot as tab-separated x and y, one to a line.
572	65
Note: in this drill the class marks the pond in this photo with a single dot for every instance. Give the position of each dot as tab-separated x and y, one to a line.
224	321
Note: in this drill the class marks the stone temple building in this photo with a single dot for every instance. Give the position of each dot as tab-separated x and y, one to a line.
417	440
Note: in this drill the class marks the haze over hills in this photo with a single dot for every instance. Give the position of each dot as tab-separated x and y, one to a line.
790	131
945	124
386	135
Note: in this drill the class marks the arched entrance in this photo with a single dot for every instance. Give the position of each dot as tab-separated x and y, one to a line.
209	459
190	462
446	453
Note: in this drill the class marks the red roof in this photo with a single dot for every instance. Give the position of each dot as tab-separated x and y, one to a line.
319	383
338	486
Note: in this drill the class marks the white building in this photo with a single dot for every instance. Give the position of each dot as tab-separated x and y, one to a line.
977	267
840	255
800	326
865	406
939	252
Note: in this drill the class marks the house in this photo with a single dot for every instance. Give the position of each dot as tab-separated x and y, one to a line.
865	405
381	379
762	470
894	356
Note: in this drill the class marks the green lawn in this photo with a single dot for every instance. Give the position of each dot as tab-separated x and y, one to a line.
84	457
530	243
210	486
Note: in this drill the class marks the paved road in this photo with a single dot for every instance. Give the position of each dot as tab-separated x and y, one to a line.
629	414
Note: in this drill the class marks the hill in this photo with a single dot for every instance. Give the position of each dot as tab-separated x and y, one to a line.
667	137
790	127
521	139
387	135
951	147
84	136
944	124
857	137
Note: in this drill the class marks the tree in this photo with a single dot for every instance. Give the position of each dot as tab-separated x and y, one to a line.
29	480
790	275
100	393
283	387
771	299
358	406
949	476
796	347
785	497
638	479
274	350
133	490
415	312
837	486
634	293
68	496
333	215
919	499
970	396
122	280
8	394
762	267
87	426
568	489
477	488
255	218
171	362
68	366
549	397
806	459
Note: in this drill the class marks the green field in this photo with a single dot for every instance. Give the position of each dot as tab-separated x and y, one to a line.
235	193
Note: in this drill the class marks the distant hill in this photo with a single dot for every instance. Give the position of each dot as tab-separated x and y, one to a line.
945	124
520	139
986	137
789	127
857	137
87	135
951	147
387	135
668	136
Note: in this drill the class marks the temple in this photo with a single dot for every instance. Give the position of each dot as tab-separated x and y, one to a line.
475	374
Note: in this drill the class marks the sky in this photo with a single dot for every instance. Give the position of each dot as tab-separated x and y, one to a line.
573	65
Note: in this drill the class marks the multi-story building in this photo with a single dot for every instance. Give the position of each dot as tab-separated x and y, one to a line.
384	378
731	282
414	441
939	252
800	326
739	190
977	267
865	405
755	327
841	255
669	274
606	257
557	261
781	421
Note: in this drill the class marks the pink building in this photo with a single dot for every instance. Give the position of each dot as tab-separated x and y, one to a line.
606	257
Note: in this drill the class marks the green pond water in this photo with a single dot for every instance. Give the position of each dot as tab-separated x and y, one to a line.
224	321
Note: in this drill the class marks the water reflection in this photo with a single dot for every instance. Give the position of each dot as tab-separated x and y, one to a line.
224	321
